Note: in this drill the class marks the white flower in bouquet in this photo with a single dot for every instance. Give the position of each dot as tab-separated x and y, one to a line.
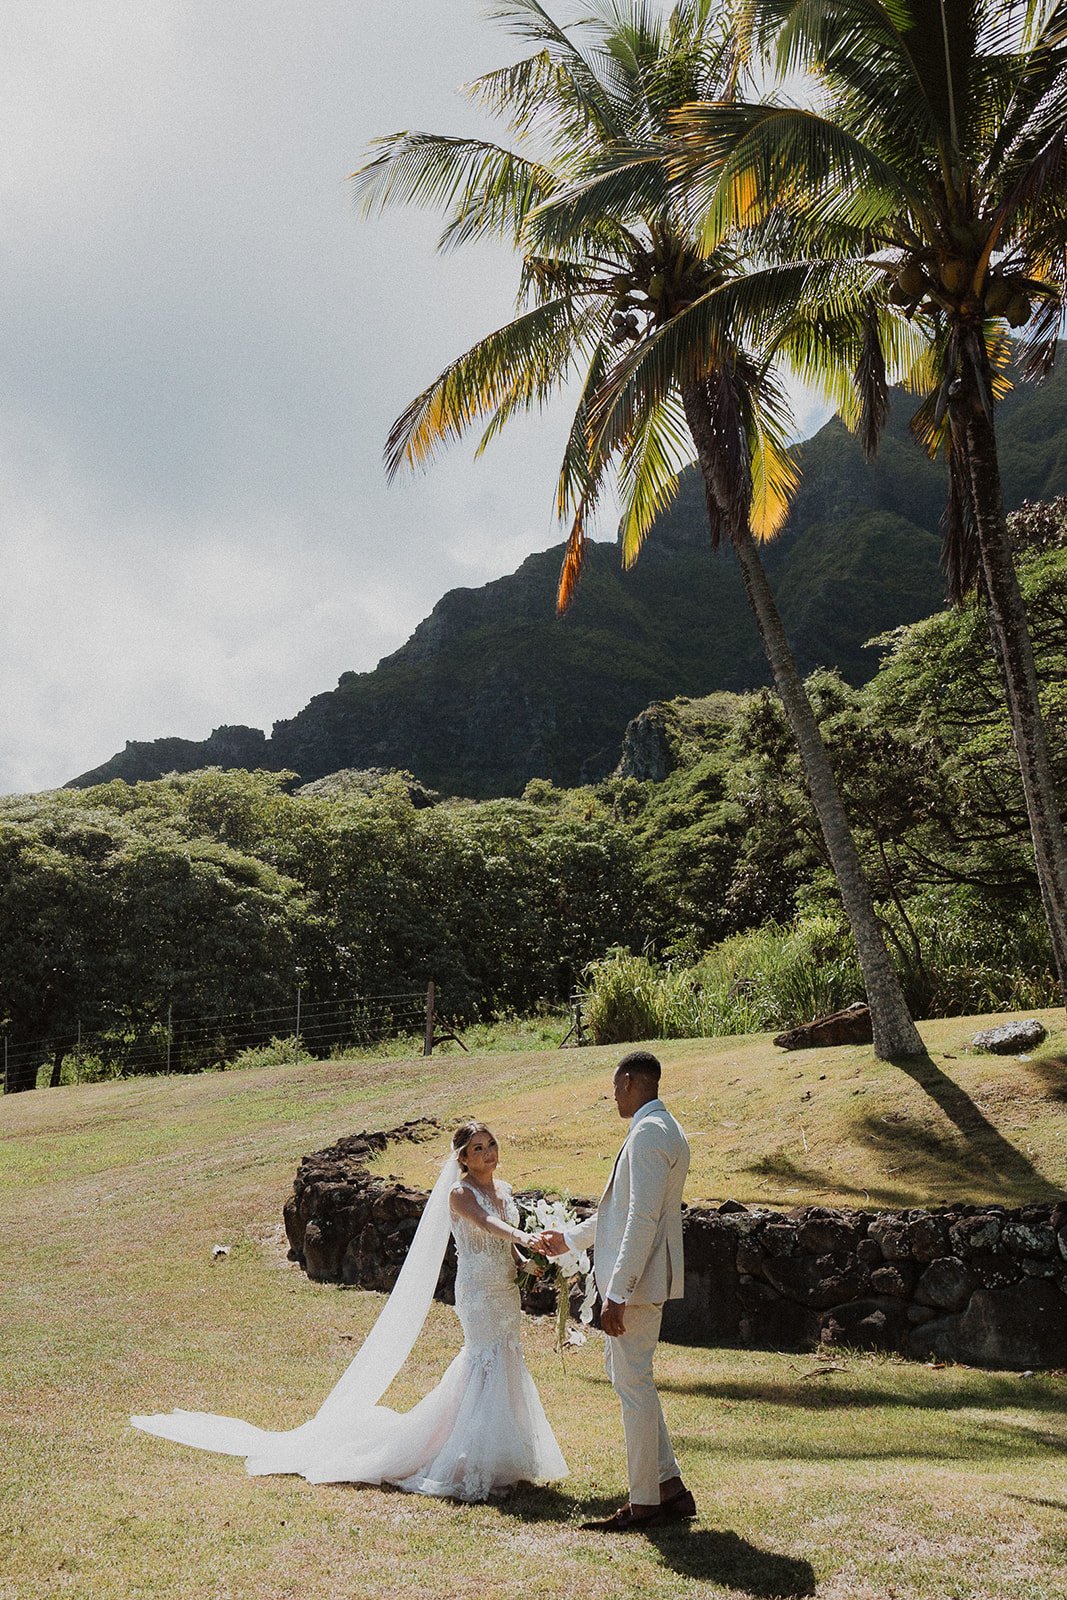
563	1273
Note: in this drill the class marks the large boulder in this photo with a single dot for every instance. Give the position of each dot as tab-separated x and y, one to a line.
815	1281
946	1285
1011	1037
1024	1325
873	1324
850	1026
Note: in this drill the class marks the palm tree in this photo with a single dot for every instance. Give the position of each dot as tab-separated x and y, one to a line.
939	156
669	335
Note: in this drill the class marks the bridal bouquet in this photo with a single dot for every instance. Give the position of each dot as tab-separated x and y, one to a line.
565	1273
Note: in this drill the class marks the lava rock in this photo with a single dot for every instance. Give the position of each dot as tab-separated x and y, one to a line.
1011	1037
927	1238
814	1282
1029	1238
946	1285
826	1235
897	1280
1021	1326
866	1324
975	1233
891	1236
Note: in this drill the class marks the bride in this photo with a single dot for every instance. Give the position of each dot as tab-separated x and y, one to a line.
483	1429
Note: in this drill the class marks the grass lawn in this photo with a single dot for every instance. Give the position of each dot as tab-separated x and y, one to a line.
851	1479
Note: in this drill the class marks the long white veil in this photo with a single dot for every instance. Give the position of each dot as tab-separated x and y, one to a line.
351	1408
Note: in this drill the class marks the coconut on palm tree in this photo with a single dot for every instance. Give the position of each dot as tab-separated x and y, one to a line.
669	335
934	150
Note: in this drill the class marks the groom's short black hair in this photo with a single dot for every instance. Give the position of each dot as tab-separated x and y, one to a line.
641	1064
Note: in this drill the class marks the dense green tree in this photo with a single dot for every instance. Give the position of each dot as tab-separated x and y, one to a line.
112	918
924	758
211	896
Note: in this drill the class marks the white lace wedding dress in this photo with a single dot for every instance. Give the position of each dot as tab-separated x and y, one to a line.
482	1428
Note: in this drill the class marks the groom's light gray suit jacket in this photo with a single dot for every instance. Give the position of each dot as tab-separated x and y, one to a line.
636	1230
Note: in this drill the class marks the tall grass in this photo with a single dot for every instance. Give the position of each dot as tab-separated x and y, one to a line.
750	983
781	975
974	960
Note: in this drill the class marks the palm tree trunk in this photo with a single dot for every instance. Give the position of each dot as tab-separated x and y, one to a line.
895	1034
1015	658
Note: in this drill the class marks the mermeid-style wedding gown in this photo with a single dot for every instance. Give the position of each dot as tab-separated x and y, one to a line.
482	1429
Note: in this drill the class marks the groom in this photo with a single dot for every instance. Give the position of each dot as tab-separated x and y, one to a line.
637	1264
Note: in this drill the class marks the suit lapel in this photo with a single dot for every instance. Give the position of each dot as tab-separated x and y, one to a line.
618	1158
615	1168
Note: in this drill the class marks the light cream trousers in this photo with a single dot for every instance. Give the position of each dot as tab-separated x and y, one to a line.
650	1459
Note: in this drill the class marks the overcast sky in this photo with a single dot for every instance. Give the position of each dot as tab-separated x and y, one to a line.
203	347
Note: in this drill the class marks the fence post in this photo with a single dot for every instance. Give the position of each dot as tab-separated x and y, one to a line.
7	1080
170	1032
427	1041
296	1035
78	1055
577	1030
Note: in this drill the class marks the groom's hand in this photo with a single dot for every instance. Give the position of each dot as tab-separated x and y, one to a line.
550	1243
611	1318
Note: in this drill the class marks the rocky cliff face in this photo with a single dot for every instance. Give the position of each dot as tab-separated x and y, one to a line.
493	688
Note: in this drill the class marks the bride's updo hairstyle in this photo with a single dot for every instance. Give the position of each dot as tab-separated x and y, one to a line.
463	1136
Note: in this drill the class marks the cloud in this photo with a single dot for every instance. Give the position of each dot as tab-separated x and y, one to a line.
203	348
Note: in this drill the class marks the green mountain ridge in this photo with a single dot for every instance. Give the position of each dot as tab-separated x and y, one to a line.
493	689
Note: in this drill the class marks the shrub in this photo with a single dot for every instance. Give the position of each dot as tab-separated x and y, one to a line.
277	1052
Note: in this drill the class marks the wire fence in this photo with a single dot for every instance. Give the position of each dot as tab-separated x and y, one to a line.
189	1043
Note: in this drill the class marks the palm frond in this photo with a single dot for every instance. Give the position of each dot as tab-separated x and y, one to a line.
570	571
737	162
649	468
854	42
695	344
580	473
1040	181
517	366
774	470
587	336
493	188
530	20
628	184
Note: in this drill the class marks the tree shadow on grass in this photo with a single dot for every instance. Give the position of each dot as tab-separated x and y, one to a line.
992	1394
725	1558
704	1553
1035	1500
985	1158
986	1441
1014	1173
782	1168
1051	1074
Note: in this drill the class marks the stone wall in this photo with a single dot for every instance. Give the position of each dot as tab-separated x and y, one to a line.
979	1284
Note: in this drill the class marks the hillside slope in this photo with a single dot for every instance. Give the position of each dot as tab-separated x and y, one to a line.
848	1479
493	689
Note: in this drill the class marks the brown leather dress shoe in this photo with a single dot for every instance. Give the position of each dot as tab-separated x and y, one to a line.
621	1521
681	1507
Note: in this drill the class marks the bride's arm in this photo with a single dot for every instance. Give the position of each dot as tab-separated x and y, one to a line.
465	1205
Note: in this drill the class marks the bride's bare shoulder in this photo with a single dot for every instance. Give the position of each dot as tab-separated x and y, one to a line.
461	1199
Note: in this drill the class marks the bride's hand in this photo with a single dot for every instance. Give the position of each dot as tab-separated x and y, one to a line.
549	1243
